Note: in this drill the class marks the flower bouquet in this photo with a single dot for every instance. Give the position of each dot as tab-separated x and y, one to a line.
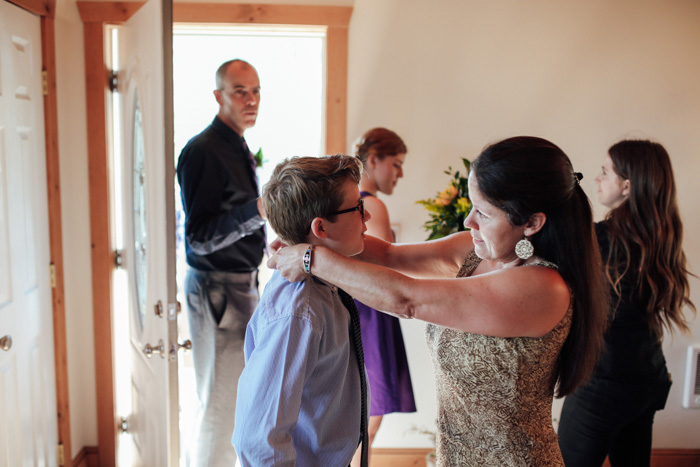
451	206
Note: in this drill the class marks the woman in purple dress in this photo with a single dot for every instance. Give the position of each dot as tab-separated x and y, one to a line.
382	153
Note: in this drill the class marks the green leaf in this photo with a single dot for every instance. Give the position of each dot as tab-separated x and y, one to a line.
259	158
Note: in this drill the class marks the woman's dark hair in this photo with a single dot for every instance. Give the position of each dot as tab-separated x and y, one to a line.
646	235
380	142
526	175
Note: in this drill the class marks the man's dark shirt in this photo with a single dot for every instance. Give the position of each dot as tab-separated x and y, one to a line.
223	229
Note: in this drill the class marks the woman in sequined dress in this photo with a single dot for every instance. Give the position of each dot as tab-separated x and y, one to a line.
521	322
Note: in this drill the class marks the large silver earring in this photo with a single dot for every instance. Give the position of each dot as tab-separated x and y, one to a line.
524	249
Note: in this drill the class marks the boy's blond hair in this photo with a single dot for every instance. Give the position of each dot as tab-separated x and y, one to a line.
303	188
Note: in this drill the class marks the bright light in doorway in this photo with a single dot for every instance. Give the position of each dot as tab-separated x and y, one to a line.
291	65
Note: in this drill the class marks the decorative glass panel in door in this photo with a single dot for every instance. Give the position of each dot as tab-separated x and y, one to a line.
140	247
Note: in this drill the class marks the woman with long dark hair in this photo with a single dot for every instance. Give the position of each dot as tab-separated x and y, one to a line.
641	246
524	317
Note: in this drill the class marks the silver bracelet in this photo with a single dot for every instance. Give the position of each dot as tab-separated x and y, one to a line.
307	259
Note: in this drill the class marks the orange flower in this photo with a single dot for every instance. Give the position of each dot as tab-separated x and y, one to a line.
446	196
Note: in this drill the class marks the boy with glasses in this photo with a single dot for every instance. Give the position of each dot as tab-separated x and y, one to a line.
300	396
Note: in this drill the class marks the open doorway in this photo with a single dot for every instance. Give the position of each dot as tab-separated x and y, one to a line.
291	122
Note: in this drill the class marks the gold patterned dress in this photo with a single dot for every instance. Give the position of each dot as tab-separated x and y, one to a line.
495	394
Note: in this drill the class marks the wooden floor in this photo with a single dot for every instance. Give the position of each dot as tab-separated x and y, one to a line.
399	457
672	458
416	457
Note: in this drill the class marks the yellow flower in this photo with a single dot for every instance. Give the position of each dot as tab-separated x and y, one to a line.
463	205
432	207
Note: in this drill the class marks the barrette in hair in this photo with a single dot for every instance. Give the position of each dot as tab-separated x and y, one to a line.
579	177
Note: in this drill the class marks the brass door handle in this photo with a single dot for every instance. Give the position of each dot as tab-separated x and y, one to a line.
6	342
149	350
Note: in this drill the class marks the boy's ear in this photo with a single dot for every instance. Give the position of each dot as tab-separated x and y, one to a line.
318	228
535	223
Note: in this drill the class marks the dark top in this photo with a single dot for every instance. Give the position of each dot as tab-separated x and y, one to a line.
223	229
633	354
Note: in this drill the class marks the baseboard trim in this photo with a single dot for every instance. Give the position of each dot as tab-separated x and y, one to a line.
87	457
385	457
410	457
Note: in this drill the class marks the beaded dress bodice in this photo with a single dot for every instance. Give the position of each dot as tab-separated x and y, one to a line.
495	394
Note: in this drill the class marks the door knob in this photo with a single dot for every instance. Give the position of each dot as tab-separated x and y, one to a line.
187	345
6	342
149	350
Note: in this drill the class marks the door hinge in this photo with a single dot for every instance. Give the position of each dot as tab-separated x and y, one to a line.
60	459
113	81
45	82
118	259
52	275
123	425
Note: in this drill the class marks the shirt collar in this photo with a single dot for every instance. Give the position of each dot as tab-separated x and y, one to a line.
320	281
226	131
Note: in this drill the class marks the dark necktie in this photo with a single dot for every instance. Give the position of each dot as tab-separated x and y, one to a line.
251	160
356	338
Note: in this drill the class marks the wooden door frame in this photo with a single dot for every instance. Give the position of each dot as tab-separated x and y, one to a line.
46	10
95	16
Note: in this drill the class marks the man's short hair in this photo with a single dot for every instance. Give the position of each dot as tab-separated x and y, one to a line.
221	71
303	188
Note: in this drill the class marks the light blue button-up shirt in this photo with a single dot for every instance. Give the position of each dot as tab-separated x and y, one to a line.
299	395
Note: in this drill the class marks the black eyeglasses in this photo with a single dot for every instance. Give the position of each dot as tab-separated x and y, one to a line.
360	207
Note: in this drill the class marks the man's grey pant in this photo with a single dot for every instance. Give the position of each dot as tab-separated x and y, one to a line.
219	306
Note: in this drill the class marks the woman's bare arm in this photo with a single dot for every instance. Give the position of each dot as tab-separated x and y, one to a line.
522	301
378	225
437	258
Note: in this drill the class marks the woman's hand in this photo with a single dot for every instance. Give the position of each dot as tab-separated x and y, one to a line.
277	244
288	260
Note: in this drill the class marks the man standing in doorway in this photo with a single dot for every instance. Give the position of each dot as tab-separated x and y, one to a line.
224	241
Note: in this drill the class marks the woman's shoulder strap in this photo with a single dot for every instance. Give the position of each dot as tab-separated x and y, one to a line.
471	261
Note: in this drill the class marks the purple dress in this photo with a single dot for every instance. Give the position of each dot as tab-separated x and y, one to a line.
385	360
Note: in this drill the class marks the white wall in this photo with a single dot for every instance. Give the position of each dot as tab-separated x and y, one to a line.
72	121
451	76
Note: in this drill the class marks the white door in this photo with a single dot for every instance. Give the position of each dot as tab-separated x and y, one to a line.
28	420
149	233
